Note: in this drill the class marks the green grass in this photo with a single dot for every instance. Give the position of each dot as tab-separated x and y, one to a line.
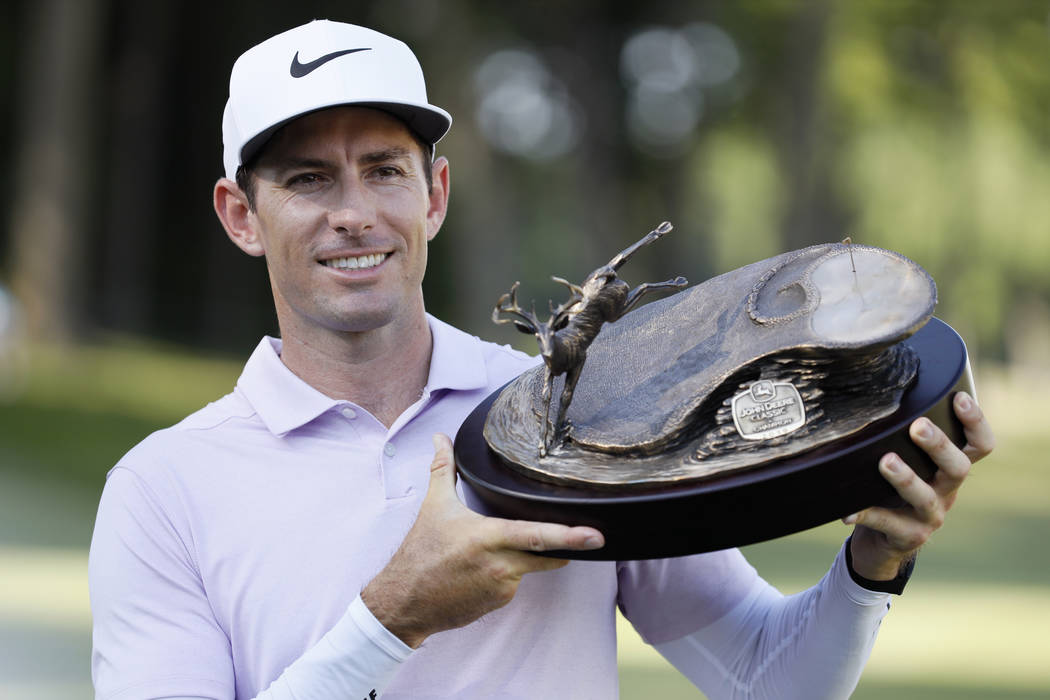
80	409
972	623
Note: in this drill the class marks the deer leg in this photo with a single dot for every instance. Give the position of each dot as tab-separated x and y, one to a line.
641	290
624	255
548	380
571	377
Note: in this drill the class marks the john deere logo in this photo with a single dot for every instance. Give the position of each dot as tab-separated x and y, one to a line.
763	390
768	409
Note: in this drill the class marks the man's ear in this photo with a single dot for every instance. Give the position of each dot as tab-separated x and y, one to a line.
231	206
438	197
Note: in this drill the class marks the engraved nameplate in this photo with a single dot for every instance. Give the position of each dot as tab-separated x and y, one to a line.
768	410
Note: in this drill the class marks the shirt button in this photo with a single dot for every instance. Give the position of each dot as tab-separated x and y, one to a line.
389	450
349	413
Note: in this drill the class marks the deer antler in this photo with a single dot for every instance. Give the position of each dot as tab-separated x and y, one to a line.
561	313
508	303
575	290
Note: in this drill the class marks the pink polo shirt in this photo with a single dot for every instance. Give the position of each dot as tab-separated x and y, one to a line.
227	545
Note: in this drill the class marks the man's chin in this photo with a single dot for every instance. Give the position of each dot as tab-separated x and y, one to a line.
361	321
356	315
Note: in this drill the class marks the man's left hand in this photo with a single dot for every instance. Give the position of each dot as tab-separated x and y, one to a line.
886	538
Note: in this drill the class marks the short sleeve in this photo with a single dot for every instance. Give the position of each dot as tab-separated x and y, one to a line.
154	631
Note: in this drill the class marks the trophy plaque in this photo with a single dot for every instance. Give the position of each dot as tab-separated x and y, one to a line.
747	407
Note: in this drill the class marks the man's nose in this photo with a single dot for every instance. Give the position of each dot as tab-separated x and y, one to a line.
352	212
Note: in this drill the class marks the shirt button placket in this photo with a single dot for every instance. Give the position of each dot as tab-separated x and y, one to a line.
394	478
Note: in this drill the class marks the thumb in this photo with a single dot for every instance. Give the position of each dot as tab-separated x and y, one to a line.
443	468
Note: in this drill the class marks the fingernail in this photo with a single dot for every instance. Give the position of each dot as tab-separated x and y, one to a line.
891	463
593	542
850	519
923	429
963	401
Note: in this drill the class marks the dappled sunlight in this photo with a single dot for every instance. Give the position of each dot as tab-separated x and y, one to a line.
44	586
959	634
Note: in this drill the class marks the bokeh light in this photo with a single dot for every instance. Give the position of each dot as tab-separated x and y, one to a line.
666	72
523	109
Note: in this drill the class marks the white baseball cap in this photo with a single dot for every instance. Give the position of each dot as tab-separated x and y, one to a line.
322	64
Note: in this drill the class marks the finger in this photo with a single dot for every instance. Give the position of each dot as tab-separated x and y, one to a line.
952	463
901	531
527	536
979	437
521	563
925	502
442	468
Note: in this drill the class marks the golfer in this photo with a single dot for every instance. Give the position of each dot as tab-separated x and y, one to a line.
304	536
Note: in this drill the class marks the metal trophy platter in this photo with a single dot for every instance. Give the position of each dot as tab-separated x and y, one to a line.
750	406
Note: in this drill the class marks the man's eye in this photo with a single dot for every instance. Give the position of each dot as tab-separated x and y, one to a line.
388	171
303	179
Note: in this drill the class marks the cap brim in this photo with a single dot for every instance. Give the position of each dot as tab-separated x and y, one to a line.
428	122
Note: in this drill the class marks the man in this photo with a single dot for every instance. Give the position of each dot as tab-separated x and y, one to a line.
289	539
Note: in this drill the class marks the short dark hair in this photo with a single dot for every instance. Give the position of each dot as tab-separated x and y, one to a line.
246	171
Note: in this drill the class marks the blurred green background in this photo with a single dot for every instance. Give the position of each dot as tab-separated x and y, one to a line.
755	127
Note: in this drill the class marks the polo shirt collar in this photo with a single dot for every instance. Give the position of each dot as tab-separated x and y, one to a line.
282	400
285	402
456	360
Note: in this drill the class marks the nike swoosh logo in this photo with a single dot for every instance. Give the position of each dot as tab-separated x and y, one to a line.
298	70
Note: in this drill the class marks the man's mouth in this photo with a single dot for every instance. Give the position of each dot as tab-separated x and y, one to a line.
361	262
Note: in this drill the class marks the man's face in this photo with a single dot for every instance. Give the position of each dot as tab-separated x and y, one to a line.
343	216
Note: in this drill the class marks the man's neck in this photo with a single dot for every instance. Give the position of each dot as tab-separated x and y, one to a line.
383	371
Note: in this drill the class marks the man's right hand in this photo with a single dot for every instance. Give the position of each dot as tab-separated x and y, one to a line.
455	565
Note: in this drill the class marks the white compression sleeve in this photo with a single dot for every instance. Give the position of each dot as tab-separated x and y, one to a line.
357	658
811	646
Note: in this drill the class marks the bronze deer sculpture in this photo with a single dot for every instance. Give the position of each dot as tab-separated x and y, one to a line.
574	324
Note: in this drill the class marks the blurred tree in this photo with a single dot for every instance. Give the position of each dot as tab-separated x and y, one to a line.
802	125
59	53
140	122
755	127
943	143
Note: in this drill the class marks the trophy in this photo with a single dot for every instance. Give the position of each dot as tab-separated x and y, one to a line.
747	407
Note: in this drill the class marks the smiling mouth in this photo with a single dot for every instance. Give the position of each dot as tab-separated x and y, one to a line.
361	262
